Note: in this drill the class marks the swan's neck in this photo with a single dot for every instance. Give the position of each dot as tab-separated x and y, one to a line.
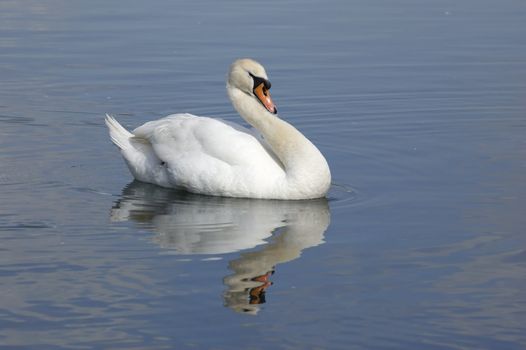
305	166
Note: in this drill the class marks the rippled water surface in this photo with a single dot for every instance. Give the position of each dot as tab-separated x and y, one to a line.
419	107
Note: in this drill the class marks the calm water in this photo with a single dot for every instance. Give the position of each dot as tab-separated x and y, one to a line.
419	107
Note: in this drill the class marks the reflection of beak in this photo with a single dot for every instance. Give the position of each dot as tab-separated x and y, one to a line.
263	95
257	294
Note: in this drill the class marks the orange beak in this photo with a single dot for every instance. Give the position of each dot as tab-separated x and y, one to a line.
263	95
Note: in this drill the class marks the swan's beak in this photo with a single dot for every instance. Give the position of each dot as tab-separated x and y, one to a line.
263	95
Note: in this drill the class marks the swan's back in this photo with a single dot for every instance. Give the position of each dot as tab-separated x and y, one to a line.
204	155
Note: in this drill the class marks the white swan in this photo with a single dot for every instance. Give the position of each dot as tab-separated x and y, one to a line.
215	157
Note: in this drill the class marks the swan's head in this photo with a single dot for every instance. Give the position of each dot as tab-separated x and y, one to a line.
250	77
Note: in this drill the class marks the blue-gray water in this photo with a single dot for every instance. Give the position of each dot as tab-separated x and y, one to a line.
419	107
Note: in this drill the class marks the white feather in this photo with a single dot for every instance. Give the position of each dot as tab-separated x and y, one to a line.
216	157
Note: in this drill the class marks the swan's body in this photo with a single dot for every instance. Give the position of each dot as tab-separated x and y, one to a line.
215	157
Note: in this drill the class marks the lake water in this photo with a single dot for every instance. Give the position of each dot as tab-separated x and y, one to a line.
419	107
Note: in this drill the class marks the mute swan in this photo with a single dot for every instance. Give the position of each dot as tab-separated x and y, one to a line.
215	157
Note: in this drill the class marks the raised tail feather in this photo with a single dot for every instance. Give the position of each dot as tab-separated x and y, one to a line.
118	134
138	154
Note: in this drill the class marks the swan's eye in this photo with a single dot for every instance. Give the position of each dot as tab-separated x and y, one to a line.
258	81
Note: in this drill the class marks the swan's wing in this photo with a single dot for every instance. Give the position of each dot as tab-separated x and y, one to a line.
206	143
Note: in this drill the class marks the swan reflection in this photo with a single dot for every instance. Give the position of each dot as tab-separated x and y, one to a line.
193	224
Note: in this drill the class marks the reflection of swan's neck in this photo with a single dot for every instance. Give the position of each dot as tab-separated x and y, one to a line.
305	166
252	270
